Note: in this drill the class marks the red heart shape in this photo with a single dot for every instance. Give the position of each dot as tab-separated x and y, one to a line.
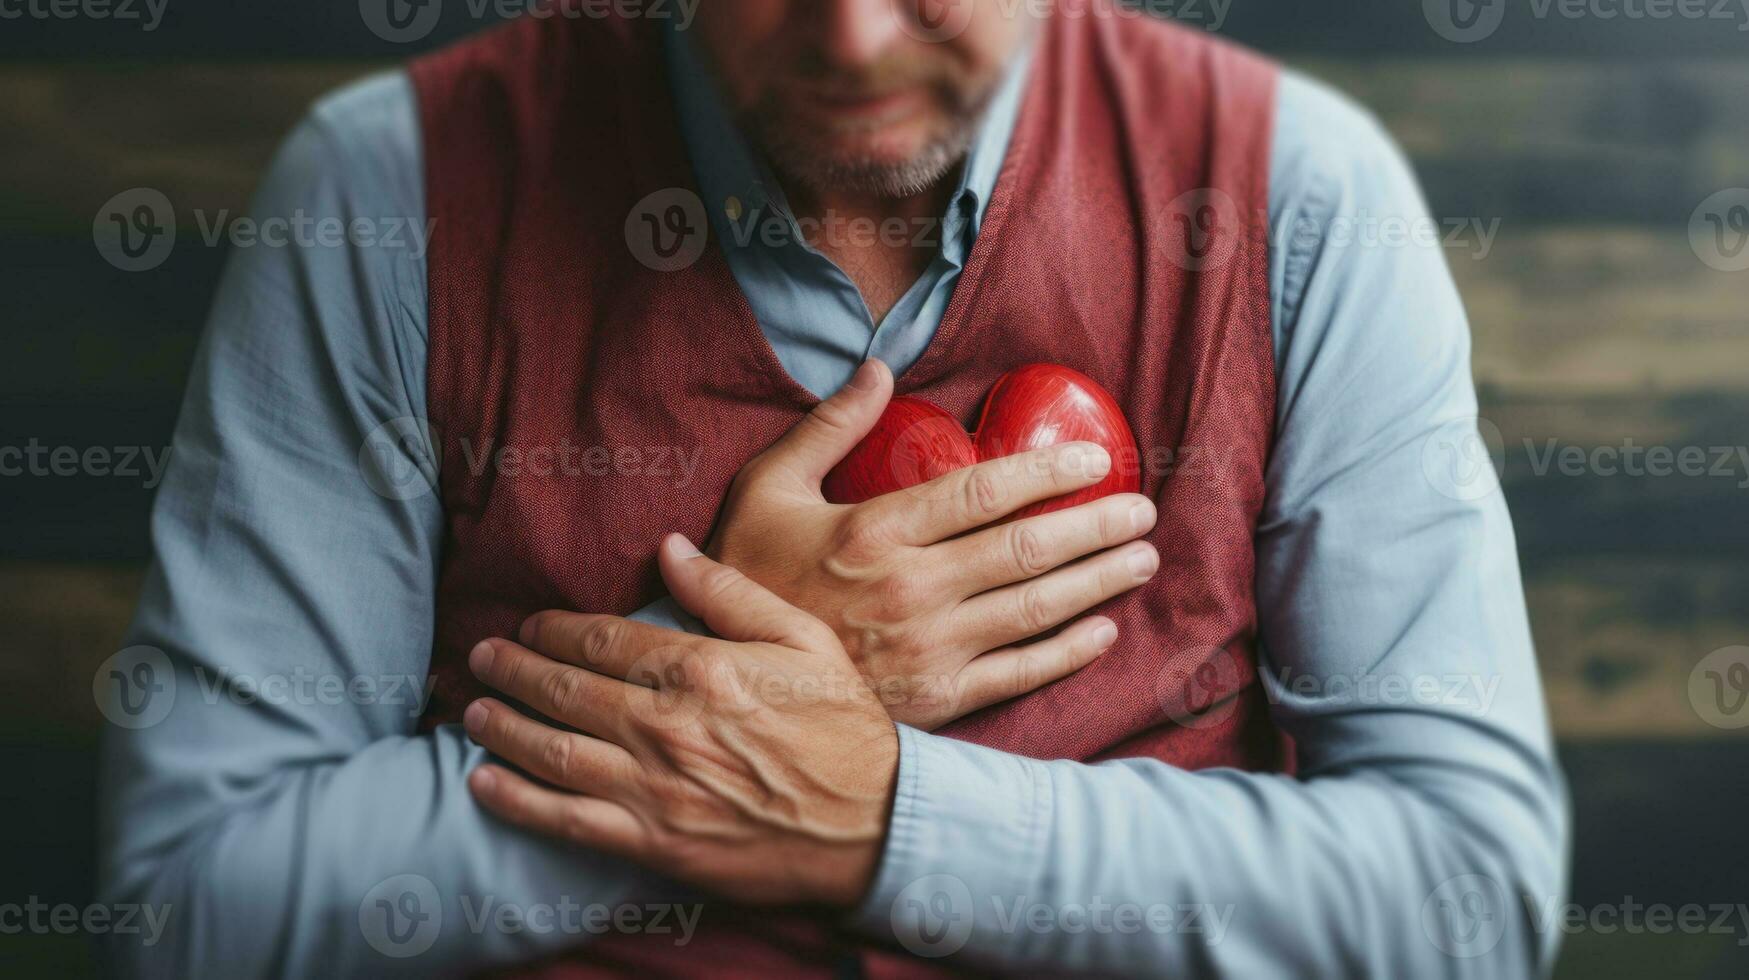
1030	407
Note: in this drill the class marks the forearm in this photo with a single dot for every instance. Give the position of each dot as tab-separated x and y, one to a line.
283	877
1137	867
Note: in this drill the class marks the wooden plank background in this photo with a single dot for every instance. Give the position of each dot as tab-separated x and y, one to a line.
1590	143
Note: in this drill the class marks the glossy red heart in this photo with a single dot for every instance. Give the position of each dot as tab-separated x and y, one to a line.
1030	407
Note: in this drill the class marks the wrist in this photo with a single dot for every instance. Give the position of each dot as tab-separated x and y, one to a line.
850	862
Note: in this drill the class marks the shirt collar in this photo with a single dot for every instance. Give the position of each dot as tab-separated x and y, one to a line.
737	185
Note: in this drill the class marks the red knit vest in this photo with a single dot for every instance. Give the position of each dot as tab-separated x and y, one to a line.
1115	242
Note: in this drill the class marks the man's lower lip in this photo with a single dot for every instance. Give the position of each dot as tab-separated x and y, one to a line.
878	105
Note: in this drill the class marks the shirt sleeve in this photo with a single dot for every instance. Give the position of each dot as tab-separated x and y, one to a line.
265	788
1427	820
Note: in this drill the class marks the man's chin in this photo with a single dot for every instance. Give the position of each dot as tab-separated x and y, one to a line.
884	164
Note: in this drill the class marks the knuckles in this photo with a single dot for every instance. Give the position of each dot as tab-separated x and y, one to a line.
557	755
982	495
563	690
600	638
1026	551
900	598
861	539
1034	612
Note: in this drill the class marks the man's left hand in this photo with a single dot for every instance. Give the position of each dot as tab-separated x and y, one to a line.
758	765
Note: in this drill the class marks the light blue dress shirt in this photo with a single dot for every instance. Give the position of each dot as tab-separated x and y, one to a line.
285	804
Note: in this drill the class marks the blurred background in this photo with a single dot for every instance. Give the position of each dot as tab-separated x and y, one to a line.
1590	161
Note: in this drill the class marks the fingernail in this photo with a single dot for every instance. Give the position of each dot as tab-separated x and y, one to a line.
1141	517
474	719
682	546
865	376
480	658
482	780
1087	458
1105	636
1143	561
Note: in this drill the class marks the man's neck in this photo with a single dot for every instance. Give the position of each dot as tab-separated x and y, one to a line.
883	243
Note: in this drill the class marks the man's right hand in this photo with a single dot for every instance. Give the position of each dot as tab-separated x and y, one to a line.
939	621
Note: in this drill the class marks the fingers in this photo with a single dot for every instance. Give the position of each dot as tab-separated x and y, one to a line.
604	644
564	759
1003	674
835	426
977	495
1016	612
569	695
1026	549
732	605
594	823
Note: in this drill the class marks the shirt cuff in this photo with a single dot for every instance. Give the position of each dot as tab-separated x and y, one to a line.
967	834
666	613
